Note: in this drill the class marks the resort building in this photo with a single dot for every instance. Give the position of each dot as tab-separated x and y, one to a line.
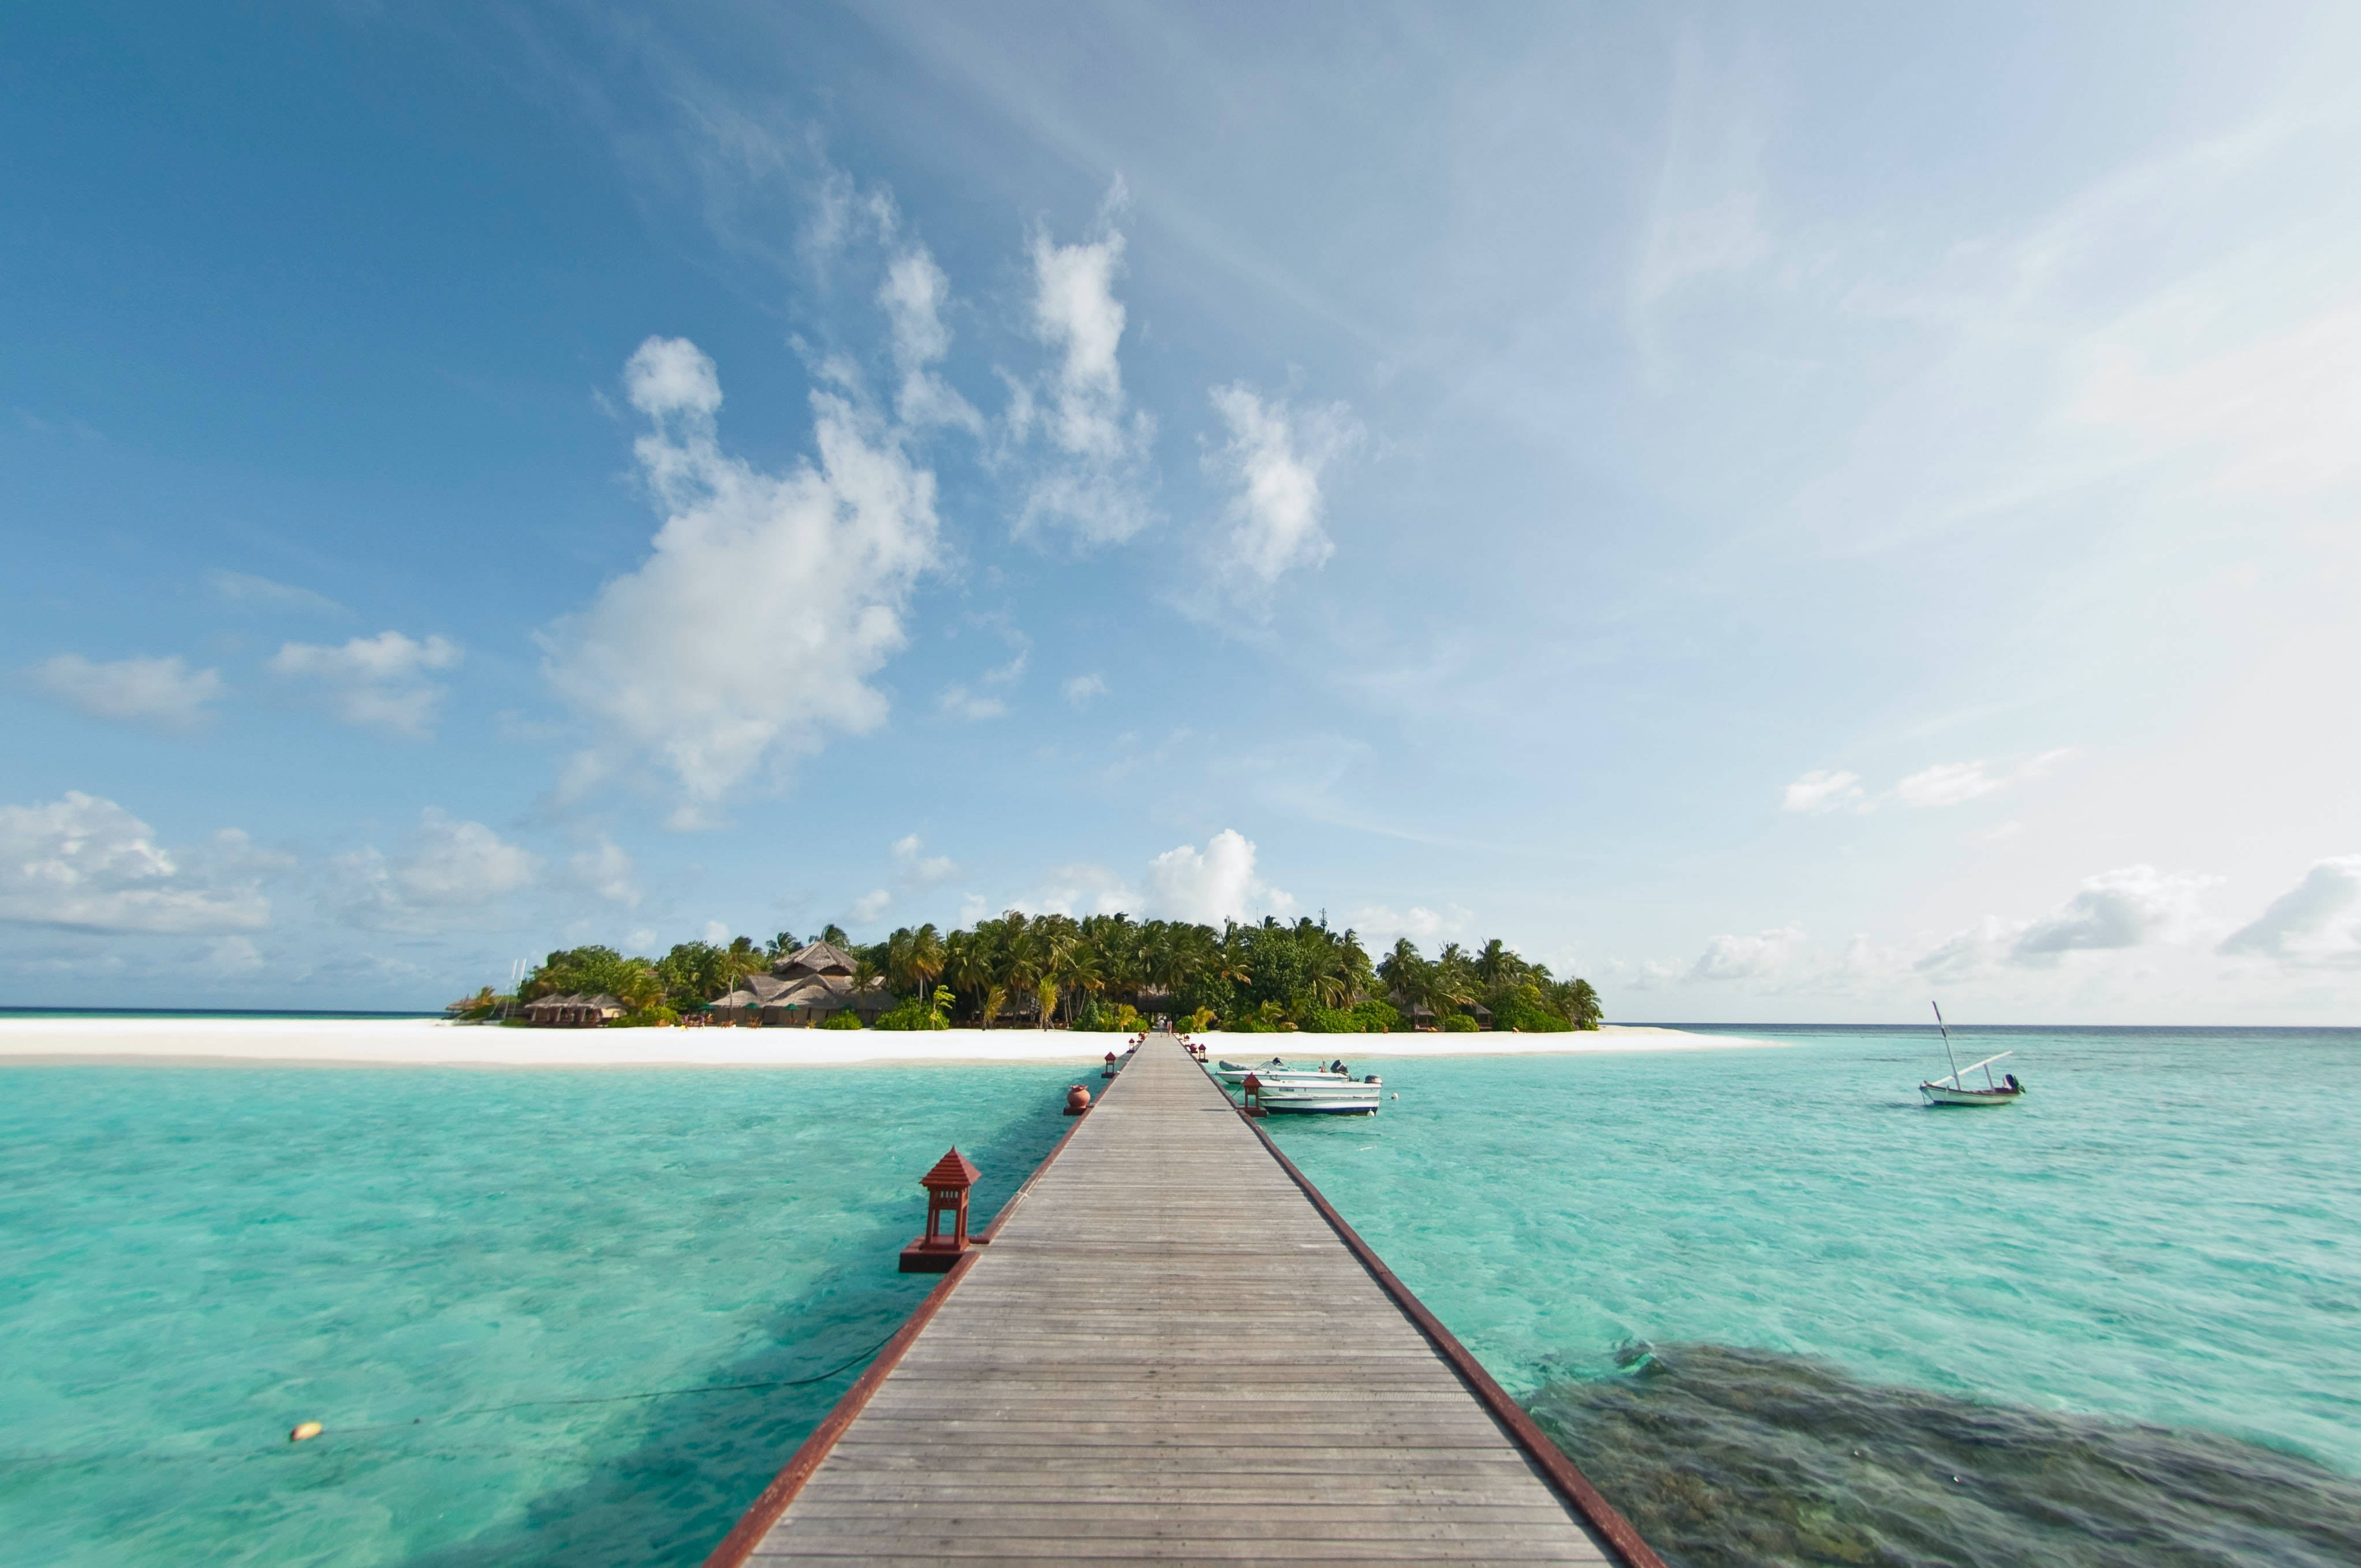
572	1011
805	988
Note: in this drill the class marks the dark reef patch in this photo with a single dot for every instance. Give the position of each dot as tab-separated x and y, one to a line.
1728	1458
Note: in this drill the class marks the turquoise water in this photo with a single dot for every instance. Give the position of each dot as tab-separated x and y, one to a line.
1728	1280
192	1260
2167	1230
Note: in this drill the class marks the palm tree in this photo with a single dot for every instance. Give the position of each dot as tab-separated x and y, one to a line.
927	956
994	998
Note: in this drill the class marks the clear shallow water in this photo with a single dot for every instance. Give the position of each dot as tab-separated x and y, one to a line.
192	1260
1849	1299
2168	1231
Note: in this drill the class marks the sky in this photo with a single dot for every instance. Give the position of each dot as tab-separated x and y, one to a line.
1787	512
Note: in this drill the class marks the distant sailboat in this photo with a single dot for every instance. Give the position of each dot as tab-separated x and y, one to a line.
1955	1091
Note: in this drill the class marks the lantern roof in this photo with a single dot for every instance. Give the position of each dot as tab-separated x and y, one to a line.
953	1170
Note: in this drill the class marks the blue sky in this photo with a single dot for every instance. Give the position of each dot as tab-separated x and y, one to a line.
1785	511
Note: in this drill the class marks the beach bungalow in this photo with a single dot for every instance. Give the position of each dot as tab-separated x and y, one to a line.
572	1011
805	988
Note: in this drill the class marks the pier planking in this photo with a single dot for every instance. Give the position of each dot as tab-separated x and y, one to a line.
1172	1351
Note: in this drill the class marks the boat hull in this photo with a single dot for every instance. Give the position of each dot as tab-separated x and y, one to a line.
1333	1098
1944	1094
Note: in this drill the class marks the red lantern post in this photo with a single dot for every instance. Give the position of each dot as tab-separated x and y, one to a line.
947	1187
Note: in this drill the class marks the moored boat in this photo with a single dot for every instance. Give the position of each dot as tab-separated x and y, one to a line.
1330	1094
2006	1090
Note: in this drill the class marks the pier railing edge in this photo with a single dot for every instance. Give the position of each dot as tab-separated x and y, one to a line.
1569	1482
758	1519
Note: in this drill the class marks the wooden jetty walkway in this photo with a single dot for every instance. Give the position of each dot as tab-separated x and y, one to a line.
1172	1350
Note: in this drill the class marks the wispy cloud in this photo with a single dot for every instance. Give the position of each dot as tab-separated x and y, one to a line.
162	693
2315	923
1956	783
913	294
1083	690
376	682
1832	790
246	589
445	872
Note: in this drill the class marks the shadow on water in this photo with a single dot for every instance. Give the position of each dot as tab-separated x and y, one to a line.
701	1458
1724	1457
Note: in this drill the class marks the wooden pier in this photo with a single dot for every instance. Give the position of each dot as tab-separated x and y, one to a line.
1170	1349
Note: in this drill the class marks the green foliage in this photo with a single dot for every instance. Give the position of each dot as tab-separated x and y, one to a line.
908	1013
658	1017
848	1019
1109	972
1460	1024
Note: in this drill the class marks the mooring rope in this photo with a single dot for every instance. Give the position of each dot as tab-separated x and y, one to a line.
43	1461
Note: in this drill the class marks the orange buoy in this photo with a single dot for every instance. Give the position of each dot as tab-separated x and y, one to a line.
304	1432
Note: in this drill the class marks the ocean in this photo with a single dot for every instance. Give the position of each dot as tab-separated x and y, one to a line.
1780	1313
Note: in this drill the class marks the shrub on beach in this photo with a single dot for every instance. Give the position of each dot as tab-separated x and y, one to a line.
908	1013
848	1019
1460	1024
656	1017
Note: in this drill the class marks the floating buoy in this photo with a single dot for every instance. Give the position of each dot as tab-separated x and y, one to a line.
1398	1096
304	1432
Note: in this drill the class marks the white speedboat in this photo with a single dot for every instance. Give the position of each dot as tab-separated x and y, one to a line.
1236	1071
1330	1093
1955	1090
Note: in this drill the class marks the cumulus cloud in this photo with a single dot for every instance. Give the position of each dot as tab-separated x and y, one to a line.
447	871
1759	956
1955	783
918	868
1217	884
85	863
2318	921
2127	907
1824	790
378	682
163	694
2122	908
1274	458
245	589
913	295
1083	690
750	634
870	905
1092	487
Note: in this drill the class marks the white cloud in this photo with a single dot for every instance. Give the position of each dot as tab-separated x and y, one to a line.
870	905
749	635
84	863
1078	890
607	869
922	869
1218	884
1824	790
2122	908
163	693
958	702
2318	921
243	588
376	681
1082	690
913	296
1274	457
446	870
1759	956
1092	487
1955	783
1381	925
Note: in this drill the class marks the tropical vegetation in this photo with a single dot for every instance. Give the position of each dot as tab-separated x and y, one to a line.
1110	971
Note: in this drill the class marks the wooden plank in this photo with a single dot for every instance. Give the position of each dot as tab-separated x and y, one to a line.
1172	1351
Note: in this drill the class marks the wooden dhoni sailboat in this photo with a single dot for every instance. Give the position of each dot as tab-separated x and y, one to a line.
1956	1091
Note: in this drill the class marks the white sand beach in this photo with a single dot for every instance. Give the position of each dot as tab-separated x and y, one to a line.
421	1042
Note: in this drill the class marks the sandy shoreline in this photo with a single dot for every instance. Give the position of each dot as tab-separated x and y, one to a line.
429	1042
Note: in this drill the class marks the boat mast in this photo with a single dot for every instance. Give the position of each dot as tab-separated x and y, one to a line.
1947	1043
